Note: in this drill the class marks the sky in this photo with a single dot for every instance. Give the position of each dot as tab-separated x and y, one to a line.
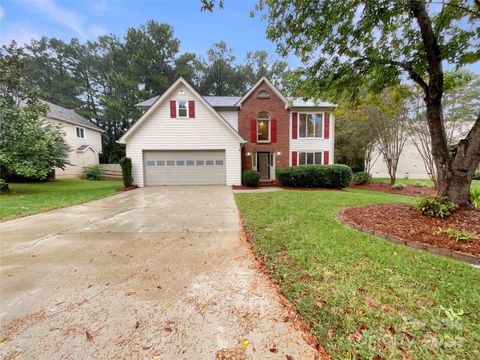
197	31
22	20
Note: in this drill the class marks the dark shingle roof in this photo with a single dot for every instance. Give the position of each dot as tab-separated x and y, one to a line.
214	101
67	115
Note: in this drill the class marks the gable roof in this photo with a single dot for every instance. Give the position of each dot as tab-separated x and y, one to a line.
166	95
83	148
270	85
60	113
214	101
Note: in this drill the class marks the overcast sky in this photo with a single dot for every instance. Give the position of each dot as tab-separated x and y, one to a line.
86	19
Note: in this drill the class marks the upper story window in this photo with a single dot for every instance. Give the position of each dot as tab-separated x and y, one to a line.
182	109
310	125
263	94
263	127
80	132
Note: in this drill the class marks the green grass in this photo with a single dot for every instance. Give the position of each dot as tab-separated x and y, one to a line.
363	296
31	198
475	183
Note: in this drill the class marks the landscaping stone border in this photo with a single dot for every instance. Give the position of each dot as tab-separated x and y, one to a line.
468	258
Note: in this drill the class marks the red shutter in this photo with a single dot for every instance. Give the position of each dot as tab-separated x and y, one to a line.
294	158
294	125
191	109
326	126
253	131
274	131
173	109
325	157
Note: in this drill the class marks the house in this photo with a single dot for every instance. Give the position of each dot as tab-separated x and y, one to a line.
410	163
82	136
189	139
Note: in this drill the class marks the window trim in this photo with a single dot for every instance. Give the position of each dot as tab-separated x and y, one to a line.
299	156
310	137
269	123
178	109
76	132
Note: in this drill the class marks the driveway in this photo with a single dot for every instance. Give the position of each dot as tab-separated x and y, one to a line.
156	273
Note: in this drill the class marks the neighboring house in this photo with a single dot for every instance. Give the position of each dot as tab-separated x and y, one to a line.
185	138
410	163
82	136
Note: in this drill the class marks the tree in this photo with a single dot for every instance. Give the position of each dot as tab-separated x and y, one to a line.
350	44
29	146
258	65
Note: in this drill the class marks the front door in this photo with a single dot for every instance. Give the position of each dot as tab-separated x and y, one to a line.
263	164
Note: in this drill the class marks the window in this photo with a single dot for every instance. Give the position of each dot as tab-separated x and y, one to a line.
180	162
150	162
209	162
310	125
182	109
200	162
80	132
218	162
190	162
263	127
160	162
263	94
170	162
310	158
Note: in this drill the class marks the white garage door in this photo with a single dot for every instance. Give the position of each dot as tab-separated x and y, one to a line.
198	167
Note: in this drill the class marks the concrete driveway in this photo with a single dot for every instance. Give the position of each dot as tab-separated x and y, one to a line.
155	273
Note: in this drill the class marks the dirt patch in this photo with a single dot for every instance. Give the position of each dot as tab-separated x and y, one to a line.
242	187
402	221
127	188
408	190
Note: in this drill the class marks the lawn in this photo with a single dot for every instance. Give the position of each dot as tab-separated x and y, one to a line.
362	296
31	198
475	183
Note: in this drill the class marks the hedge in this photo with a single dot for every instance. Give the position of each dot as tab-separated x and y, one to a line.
312	176
251	178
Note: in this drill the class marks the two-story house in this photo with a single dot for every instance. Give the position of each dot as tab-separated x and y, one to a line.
189	139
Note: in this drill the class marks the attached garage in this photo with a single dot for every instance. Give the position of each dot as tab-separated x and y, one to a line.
184	167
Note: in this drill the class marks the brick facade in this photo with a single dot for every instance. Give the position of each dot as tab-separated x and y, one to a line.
276	108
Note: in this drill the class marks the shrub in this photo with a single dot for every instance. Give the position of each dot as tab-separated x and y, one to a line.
420	184
457	235
126	164
398	187
3	186
311	176
476	176
361	177
435	206
93	172
475	197
251	178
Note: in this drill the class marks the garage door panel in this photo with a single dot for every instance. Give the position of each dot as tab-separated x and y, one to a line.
196	167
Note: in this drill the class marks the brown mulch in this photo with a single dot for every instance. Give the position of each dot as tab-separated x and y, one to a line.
242	187
403	221
409	190
127	188
311	189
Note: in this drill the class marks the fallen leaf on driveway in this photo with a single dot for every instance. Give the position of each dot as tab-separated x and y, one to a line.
89	336
245	343
137	325
289	357
273	350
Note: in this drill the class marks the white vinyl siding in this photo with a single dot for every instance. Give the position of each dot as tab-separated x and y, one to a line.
204	132
231	116
313	144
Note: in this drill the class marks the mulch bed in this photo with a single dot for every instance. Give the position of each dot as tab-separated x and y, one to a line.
401	221
311	189
409	190
241	187
128	188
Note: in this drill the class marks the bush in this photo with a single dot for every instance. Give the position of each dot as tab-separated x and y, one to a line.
435	206
126	164
475	197
476	176
93	172
311	176
398	187
420	184
3	186
251	178
361	178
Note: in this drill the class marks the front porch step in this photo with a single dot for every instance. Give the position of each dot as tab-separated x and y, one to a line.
265	183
